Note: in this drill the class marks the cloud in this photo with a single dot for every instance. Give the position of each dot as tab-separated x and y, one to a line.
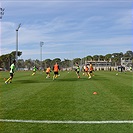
67	27
126	20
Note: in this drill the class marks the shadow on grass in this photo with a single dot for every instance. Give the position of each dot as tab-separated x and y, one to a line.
82	79
71	79
27	81
60	80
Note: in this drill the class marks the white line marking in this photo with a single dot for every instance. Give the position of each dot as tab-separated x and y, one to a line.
67	122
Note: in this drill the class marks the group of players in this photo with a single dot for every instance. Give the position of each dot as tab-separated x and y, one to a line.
48	70
88	71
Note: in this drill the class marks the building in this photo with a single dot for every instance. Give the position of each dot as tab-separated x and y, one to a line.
101	65
126	62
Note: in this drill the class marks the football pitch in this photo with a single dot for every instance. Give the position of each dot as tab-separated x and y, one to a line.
34	104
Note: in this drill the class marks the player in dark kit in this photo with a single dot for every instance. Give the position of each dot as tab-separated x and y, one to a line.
77	70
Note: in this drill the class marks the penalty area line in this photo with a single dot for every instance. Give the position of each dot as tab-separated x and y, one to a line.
67	122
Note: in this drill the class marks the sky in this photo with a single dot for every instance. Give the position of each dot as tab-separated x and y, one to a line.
69	28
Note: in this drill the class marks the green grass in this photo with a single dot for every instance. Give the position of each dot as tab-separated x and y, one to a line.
66	98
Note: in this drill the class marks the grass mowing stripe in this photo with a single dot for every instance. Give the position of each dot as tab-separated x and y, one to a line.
67	122
35	98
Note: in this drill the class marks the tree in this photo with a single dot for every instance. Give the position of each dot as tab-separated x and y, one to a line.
58	60
129	54
2	61
89	58
108	57
13	54
116	58
29	63
66	63
21	63
76	60
6	60
95	57
47	63
37	63
101	58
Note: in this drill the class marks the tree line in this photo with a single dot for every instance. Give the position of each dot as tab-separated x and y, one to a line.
6	60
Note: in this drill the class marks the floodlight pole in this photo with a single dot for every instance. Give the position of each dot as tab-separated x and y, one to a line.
17	45
41	44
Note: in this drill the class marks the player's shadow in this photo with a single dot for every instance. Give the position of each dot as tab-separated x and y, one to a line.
27	81
72	79
60	80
